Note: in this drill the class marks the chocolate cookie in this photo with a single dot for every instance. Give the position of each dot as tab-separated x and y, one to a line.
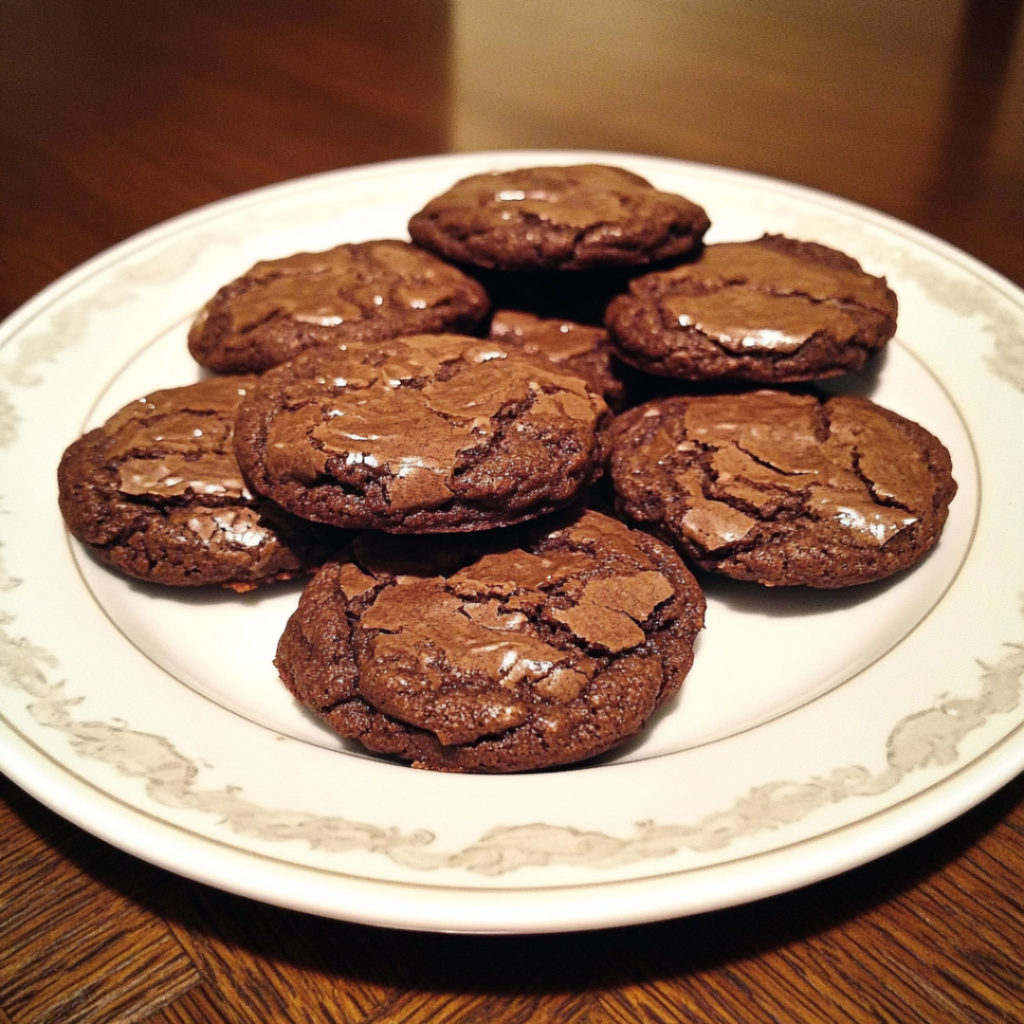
773	310
783	489
579	348
361	292
421	434
157	493
507	651
558	218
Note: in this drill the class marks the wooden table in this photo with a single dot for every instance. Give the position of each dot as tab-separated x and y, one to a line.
118	114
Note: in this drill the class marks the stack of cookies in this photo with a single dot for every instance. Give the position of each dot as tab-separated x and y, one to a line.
501	449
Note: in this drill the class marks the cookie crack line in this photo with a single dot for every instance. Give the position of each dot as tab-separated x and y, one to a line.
255	325
885	501
809	475
762	355
761	461
711	476
841	302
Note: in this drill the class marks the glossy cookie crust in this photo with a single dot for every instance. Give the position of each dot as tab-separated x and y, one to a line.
421	434
783	489
361	291
514	650
774	310
582	349
157	493
558	218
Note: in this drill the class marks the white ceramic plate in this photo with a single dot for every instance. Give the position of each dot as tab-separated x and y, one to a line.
816	731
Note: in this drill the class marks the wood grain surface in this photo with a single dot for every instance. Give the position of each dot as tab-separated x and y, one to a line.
116	114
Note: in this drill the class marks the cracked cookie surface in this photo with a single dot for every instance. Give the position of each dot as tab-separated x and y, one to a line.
783	489
774	310
361	291
582	349
558	218
157	493
426	433
525	648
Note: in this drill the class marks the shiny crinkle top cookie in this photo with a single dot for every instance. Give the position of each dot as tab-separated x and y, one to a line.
507	651
581	349
157	493
427	433
361	291
558	218
774	310
783	489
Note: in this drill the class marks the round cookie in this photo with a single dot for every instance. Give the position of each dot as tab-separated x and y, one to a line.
359	292
421	434
518	649
774	310
783	489
558	218
156	492
579	348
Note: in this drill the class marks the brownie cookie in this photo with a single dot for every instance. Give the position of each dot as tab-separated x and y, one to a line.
579	348
421	434
157	493
361	292
783	489
773	310
517	649
558	218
